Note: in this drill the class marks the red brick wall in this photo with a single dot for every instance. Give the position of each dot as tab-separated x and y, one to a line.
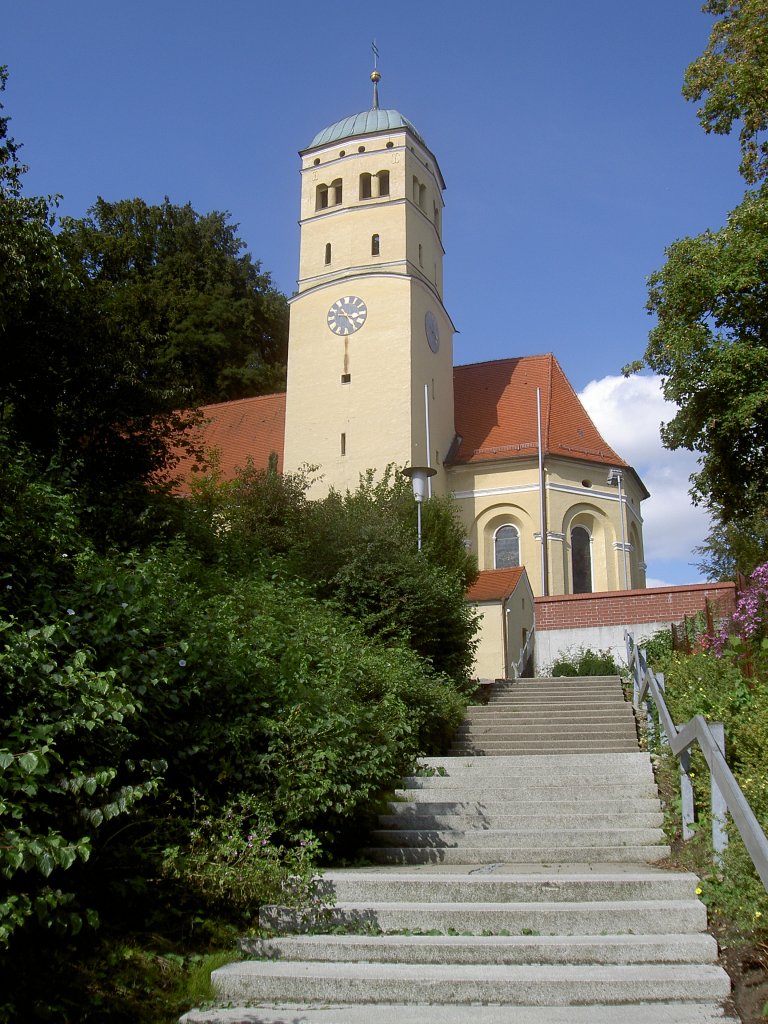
632	607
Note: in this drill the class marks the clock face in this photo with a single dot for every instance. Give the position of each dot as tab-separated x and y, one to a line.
347	315
432	331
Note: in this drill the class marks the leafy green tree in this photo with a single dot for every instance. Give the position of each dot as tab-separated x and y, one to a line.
733	75
734	545
710	345
178	289
359	550
710	342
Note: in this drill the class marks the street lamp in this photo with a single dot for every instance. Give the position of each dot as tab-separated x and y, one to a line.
418	475
615	476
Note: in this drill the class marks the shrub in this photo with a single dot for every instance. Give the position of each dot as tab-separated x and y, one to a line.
585	662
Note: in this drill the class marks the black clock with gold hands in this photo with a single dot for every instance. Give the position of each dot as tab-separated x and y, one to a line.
347	315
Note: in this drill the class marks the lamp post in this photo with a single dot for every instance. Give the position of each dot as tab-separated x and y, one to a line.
615	477
418	475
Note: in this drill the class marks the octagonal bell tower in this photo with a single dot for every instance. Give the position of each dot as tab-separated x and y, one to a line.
370	357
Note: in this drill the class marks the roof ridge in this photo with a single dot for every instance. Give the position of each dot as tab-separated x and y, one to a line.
507	359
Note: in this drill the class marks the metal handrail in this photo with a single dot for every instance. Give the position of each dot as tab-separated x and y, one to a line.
525	654
726	792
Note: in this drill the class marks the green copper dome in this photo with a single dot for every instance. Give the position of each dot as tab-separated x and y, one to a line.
373	120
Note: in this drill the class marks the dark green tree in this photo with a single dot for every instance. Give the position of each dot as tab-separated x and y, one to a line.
710	345
732	75
710	342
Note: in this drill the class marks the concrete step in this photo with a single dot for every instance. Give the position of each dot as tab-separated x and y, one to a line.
465	984
379	885
518	804
564	747
547	854
517	838
455	790
555	730
488	949
536	713
435	1013
475	819
636	762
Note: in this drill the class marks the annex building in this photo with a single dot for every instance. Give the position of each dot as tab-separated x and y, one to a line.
371	379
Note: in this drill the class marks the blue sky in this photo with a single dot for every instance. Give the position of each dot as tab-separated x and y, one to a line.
570	157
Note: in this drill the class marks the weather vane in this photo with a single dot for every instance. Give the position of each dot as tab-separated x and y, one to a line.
375	75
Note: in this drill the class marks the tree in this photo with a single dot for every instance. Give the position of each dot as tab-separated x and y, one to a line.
710	342
733	72
734	545
710	345
113	325
178	284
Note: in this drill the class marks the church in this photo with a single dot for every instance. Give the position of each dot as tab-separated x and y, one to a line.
371	381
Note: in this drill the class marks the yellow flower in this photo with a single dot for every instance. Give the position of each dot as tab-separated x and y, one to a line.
758	913
699	890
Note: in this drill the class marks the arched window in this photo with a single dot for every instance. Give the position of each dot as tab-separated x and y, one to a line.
375	245
506	548
581	560
436	215
423	196
383	177
416	190
335	190
327	253
321	197
365	185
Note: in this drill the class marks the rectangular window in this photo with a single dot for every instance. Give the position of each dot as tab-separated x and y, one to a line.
345	379
343	444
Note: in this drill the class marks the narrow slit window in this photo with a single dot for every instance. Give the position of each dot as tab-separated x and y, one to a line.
421	255
327	253
375	245
343	444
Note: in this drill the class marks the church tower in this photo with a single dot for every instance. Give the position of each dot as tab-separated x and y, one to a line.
370	357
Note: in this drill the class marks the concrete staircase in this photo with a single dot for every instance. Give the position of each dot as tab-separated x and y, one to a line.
508	887
550	716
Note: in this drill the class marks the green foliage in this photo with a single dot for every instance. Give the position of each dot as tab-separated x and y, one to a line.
64	728
359	549
585	662
732	74
658	649
736	544
709	347
231	865
716	688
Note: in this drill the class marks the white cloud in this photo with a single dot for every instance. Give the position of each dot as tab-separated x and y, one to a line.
628	412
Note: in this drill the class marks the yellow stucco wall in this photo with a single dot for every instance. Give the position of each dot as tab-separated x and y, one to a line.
490	659
362	401
490	495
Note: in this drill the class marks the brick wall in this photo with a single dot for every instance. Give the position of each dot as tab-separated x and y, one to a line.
633	607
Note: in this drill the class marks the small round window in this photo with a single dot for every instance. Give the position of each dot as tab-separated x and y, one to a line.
361	149
317	160
390	145
586	483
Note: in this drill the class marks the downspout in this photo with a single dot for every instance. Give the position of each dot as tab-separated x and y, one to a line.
504	638
429	443
542	504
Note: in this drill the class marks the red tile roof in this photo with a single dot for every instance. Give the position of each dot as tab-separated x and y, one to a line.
495	584
495	408
247	427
